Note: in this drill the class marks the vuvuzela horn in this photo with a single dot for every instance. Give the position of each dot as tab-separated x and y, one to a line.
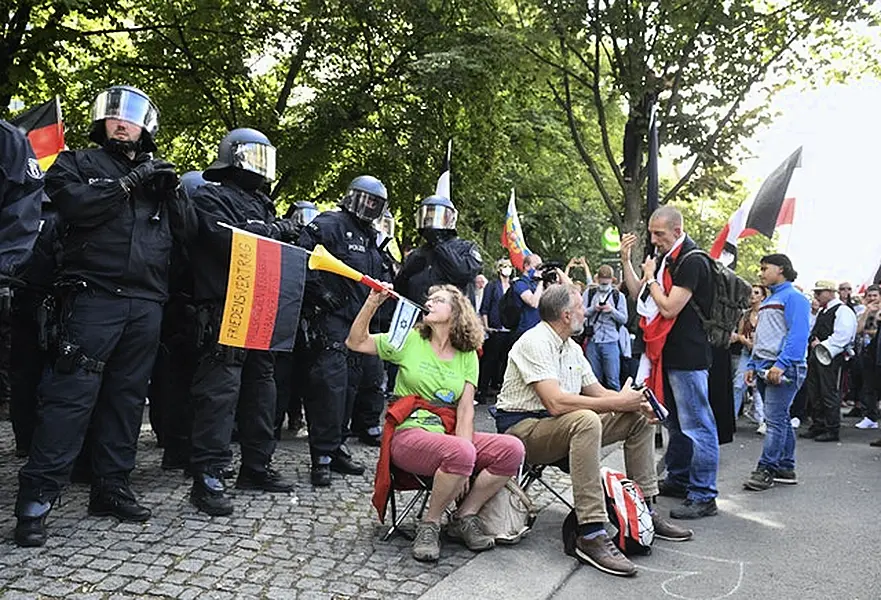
322	260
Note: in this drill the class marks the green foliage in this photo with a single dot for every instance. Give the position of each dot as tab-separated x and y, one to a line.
535	94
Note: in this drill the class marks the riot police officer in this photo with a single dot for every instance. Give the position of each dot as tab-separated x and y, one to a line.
21	192
292	368
333	302
444	258
119	206
225	377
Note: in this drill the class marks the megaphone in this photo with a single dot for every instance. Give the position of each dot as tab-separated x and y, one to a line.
824	357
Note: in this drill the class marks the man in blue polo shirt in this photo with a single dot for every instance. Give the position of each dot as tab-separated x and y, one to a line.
778	367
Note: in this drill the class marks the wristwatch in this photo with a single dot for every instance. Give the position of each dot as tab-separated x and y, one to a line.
649	282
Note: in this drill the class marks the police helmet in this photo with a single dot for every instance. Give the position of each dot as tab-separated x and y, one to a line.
191	181
303	212
385	224
125	103
436	212
365	198
245	149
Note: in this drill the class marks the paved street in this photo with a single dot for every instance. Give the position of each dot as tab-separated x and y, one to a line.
815	540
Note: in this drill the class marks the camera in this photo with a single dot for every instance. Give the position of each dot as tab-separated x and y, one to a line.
549	272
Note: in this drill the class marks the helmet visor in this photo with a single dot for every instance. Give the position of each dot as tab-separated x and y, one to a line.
304	216
254	157
385	225
126	105
367	207
435	216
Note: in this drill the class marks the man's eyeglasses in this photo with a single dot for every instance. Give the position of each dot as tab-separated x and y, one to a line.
844	289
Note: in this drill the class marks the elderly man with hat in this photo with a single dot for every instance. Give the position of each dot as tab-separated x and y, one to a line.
829	345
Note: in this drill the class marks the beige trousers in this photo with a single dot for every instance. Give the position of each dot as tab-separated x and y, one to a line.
580	435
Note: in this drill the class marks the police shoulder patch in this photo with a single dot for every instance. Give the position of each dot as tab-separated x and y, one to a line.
476	254
34	170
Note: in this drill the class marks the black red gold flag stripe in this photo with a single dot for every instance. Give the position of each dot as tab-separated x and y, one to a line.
45	130
264	293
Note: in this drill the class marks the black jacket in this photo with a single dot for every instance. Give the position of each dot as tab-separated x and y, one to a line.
456	262
21	193
353	241
118	243
209	250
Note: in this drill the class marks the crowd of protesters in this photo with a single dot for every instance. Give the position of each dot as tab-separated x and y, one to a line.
120	286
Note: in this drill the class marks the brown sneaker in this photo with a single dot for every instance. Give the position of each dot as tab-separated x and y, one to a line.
469	530
665	530
426	543
600	552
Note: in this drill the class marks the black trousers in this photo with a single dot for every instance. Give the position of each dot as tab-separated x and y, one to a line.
869	388
494	361
123	333
327	391
364	397
171	410
28	362
823	401
291	377
230	381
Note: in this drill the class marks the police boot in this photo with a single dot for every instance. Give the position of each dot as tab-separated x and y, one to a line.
371	437
208	494
320	472
30	530
341	462
268	480
116	499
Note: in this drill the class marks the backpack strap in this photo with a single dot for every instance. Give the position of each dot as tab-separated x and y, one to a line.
691	301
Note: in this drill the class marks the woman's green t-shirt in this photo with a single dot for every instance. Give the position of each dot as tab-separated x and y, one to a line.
423	374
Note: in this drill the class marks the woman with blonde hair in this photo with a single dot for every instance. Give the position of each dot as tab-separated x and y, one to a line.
429	428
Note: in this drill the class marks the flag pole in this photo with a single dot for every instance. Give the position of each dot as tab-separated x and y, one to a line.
324	255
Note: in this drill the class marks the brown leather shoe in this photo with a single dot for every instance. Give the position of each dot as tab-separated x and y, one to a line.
666	530
600	552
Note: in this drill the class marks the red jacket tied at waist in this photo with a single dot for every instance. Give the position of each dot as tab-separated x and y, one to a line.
397	413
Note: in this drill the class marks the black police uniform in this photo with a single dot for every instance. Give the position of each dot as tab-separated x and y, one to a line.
117	246
451	261
227	377
21	193
334	302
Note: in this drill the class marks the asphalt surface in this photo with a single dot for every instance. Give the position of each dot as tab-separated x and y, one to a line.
816	540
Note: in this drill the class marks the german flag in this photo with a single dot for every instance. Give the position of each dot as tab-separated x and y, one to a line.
45	130
264	293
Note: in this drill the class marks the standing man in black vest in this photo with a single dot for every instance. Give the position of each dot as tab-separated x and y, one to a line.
831	338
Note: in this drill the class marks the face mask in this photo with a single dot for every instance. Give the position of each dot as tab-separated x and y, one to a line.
506	271
605	287
531	272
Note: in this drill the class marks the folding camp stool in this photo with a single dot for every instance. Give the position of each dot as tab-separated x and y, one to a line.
405	482
530	474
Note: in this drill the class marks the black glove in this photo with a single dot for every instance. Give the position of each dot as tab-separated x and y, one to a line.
5	300
147	171
284	230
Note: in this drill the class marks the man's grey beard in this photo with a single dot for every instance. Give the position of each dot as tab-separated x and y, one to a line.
576	328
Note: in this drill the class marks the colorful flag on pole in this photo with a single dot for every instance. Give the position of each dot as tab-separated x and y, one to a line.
45	130
444	185
770	209
264	293
512	235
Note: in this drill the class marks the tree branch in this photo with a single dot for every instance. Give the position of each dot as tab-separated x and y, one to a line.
294	68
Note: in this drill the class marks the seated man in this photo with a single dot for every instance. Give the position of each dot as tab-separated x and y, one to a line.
551	400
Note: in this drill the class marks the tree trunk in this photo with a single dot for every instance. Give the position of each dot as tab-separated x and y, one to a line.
634	220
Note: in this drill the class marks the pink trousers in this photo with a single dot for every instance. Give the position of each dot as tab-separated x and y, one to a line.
423	453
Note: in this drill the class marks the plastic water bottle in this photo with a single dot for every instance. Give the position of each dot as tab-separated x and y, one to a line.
763	374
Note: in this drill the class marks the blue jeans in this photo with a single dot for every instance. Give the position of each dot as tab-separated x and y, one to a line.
605	362
692	457
778	453
739	385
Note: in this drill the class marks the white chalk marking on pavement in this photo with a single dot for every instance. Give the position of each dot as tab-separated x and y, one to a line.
680	575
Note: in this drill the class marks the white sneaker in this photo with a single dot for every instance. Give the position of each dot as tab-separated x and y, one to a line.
867	423
795	422
762	429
